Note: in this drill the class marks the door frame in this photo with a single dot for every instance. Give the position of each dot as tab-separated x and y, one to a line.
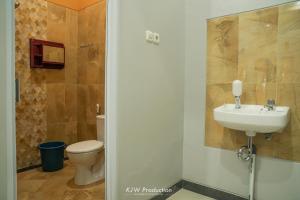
8	183
7	102
111	77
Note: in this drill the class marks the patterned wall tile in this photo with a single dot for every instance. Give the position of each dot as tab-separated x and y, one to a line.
31	117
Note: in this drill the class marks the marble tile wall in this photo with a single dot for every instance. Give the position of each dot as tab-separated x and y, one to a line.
52	100
61	84
91	66
262	49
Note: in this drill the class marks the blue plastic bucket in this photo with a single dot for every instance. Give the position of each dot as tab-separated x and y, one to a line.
52	155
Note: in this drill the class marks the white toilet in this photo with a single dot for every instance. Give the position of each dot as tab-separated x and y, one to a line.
88	157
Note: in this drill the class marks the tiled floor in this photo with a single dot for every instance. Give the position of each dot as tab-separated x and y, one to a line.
38	185
188	195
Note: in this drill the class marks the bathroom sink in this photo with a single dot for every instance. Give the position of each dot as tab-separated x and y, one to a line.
252	118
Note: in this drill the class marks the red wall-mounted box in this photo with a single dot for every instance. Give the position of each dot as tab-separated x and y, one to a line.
46	54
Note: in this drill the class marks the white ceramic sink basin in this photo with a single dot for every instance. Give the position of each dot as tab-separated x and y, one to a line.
252	118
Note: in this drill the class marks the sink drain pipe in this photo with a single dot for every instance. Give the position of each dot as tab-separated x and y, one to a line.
248	153
252	148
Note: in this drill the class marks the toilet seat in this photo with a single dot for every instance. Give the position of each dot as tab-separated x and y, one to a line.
85	146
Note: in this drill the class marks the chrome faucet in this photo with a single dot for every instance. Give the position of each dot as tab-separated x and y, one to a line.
237	102
270	104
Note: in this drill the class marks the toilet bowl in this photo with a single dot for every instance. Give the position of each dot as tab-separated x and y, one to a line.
88	157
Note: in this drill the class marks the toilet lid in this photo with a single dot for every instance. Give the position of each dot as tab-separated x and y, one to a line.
85	146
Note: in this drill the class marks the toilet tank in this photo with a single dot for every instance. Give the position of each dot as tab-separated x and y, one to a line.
100	127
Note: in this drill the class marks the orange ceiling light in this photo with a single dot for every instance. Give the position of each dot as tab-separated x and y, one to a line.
74	4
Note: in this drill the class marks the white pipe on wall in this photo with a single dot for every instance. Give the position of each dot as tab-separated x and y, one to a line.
252	177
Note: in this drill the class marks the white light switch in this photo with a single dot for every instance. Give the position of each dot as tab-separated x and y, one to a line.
152	37
149	36
156	38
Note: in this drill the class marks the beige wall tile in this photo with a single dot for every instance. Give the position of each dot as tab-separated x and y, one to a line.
289	43
268	64
93	14
86	132
103	25
65	132
93	98
72	28
56	131
258	30
259	93
82	25
222	47
55	76
71	102
289	95
71	132
71	71
93	72
91	66
56	23
82	103
265	147
101	97
94	52
218	94
91	131
82	65
56	103
216	135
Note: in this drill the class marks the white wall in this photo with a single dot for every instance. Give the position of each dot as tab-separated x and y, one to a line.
276	179
150	97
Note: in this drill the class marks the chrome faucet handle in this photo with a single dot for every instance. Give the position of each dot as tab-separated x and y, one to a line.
237	102
270	104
